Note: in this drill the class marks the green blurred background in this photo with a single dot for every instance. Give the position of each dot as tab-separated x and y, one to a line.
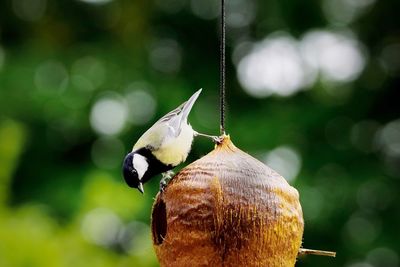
312	90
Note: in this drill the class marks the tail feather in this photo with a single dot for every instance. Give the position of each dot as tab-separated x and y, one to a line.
188	105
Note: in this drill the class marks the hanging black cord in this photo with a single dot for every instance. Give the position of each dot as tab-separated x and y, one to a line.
222	70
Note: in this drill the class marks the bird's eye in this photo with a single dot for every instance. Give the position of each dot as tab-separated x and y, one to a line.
133	171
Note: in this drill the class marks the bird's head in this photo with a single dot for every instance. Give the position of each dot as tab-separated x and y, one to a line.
133	169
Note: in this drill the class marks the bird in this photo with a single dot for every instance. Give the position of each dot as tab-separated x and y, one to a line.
162	147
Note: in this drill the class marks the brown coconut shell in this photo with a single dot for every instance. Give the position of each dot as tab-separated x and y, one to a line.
227	209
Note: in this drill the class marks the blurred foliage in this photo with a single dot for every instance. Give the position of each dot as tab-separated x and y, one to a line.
81	80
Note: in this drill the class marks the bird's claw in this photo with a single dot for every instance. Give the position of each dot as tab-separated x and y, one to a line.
163	185
167	176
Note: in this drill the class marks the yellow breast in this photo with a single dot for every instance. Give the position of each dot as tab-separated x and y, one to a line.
175	151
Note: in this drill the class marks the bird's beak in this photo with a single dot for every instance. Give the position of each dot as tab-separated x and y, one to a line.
140	188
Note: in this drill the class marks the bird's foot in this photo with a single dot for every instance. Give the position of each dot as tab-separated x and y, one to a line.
166	177
216	139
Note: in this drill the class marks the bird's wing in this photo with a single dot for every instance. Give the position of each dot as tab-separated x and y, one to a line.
169	126
172	117
154	137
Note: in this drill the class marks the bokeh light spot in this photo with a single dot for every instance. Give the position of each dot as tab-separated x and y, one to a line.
134	238
362	135
29	10
390	56
240	13
142	105
337	57
205	9
388	138
101	226
52	76
282	65
285	160
273	66
108	115
92	69
383	257
343	12
77	95
374	195
362	231
166	56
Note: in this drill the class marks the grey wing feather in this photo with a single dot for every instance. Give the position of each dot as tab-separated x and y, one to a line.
172	114
167	126
176	117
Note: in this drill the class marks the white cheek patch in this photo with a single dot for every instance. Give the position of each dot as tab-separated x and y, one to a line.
140	164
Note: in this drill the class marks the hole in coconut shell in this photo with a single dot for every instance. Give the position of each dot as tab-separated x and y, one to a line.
159	222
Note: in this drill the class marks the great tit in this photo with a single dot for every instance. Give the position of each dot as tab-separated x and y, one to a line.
162	147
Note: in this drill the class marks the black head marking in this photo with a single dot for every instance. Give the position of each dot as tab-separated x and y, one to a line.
130	174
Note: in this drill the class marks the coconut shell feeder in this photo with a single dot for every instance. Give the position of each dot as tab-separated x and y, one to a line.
228	209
